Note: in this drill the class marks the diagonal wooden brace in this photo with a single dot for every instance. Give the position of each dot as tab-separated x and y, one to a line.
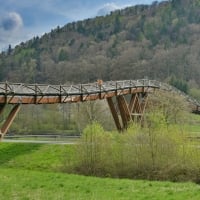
137	105
6	125
114	113
124	111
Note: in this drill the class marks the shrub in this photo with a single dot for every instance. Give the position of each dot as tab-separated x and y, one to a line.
92	150
156	151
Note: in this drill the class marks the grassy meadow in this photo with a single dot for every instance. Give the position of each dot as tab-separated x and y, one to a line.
31	172
35	185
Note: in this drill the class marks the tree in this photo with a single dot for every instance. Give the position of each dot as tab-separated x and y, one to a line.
87	112
179	84
63	55
9	49
173	107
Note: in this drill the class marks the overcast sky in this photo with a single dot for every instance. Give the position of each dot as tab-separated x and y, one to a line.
20	20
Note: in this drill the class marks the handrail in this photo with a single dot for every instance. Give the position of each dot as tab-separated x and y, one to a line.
42	89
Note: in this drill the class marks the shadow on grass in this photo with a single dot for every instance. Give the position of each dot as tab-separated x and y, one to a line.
9	151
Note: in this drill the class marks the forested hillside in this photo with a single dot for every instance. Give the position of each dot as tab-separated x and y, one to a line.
159	41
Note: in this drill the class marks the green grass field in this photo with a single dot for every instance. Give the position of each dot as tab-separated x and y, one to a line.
41	157
26	184
30	172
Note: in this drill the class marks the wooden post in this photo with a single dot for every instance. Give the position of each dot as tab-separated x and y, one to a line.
6	125
124	111
114	113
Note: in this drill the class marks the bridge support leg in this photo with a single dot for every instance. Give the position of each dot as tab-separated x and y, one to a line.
124	111
6	125
137	106
133	111
114	113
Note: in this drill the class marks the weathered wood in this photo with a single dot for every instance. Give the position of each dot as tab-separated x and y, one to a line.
6	125
137	106
114	113
124	111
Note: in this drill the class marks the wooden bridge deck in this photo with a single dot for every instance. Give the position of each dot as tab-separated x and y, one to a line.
21	93
13	93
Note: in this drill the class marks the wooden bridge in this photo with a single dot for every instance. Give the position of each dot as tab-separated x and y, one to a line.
20	93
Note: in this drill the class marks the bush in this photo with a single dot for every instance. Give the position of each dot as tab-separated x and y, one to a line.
157	151
92	150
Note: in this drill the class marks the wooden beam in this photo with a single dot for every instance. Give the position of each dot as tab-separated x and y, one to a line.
6	125
61	98
114	113
124	111
134	107
137	106
132	102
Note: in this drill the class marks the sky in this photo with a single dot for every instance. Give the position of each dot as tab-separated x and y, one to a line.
21	20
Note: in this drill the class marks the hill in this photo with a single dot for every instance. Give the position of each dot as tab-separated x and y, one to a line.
159	41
